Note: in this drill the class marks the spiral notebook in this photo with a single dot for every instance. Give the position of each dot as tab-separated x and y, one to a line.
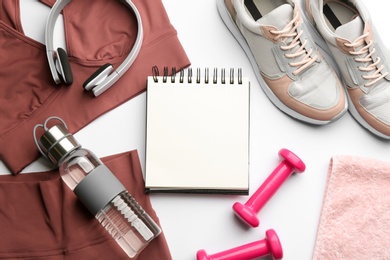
197	132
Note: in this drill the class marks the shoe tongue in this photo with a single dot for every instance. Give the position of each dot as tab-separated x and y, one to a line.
279	17
351	30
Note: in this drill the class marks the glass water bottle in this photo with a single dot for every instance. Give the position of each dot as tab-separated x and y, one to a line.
98	189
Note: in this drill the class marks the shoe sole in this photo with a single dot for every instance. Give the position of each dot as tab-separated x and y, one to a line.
230	24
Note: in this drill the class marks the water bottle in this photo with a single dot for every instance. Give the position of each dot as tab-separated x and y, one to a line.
97	188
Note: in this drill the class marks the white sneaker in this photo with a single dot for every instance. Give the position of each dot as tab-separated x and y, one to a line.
361	56
289	68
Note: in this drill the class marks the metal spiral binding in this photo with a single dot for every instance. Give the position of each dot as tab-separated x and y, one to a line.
173	74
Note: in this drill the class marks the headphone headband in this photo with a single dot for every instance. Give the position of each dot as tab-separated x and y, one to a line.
98	84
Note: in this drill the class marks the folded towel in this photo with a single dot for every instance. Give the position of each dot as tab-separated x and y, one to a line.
355	217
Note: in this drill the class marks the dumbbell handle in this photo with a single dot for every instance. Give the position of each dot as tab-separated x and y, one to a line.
270	245
269	187
248	251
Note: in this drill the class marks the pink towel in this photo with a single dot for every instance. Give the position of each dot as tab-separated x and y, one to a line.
355	217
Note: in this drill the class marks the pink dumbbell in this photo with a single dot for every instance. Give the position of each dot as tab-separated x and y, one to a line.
268	246
248	211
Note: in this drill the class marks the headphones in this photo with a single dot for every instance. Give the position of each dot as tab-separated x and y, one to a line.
100	80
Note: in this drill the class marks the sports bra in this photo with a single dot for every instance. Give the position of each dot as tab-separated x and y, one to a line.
96	32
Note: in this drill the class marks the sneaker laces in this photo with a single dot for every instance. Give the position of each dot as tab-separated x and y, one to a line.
290	32
362	49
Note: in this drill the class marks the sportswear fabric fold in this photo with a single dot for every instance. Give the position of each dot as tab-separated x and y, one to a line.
41	218
95	34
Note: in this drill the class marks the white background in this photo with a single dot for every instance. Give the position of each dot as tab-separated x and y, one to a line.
193	222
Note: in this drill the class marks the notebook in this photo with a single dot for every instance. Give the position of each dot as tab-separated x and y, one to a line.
197	132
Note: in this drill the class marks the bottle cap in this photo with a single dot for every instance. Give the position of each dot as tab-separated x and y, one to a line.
57	142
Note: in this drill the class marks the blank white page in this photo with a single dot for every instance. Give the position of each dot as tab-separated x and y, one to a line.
197	136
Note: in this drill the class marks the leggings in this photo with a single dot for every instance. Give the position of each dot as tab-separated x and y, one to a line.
40	217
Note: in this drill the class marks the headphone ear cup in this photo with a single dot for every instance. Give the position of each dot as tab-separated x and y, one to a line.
64	66
98	76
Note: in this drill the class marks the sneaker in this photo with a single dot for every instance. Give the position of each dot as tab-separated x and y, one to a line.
289	68
361	56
